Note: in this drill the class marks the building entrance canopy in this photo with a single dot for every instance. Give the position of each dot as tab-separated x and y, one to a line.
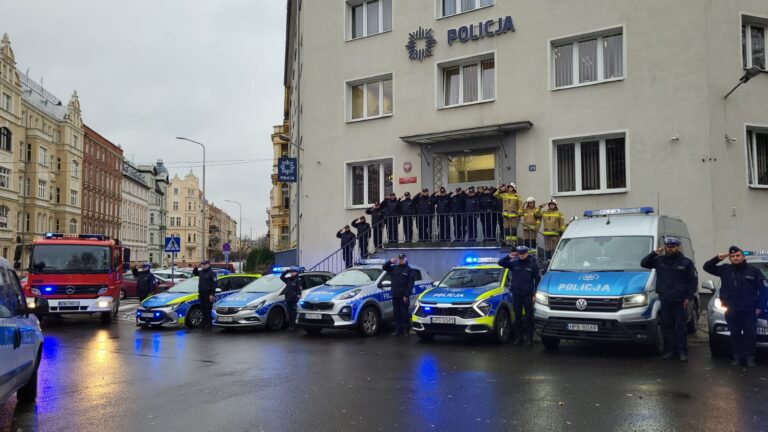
468	133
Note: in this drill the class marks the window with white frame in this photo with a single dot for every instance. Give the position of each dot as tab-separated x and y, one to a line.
588	59
369	182
42	155
4	216
75	168
27	187
368	17
468	81
453	7
753	44
5	139
73	198
5	178
7	102
42	188
757	157
370	98
73	226
591	165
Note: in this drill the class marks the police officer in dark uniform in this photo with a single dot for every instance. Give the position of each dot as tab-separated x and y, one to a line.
443	209
363	235
206	289
403	278
290	278
347	244
744	293
145	281
457	212
676	284
486	206
472	209
407	210
425	208
523	277
391	211
377	223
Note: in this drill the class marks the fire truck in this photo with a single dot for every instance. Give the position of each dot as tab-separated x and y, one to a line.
76	274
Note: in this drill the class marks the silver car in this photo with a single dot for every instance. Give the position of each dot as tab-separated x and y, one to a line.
719	336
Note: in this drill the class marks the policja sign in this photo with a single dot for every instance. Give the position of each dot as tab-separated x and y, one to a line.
287	169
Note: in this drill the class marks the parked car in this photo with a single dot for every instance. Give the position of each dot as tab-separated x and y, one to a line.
128	286
177	275
226	267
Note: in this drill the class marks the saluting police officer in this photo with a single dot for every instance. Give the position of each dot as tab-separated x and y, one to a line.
206	289
676	284
403	278
744	293
523	277
290	278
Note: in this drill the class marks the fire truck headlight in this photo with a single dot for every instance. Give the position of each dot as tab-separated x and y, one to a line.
35	292
103	304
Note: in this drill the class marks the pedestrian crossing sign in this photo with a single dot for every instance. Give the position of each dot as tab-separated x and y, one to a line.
173	244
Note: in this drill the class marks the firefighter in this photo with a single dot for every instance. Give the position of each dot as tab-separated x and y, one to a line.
554	225
531	217
510	211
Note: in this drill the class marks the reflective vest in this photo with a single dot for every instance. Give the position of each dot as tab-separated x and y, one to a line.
554	223
510	203
531	218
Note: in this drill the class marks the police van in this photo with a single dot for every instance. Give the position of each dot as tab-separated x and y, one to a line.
21	339
359	298
595	289
472	299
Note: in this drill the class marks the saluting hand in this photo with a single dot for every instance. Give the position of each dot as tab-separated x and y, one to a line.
722	256
658	251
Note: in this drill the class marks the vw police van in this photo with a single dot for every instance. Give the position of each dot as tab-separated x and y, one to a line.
595	288
359	298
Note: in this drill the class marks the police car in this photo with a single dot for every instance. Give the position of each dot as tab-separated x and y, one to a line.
359	298
472	299
719	336
21	340
261	303
180	304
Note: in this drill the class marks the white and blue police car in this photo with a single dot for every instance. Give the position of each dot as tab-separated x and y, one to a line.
359	298
261	303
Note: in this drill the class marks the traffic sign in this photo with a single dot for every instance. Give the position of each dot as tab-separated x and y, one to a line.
226	247
173	244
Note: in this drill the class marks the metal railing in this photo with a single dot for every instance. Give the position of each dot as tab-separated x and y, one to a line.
340	259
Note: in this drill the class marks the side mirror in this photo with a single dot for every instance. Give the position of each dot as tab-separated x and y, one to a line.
436	283
16	265
708	285
385	284
218	290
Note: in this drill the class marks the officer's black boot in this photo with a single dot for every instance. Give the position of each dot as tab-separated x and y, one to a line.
750	361
667	355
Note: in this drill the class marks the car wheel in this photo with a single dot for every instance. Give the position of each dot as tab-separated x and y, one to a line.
368	324
502	327
194	317
28	392
275	319
425	336
719	346
693	321
550	342
314	331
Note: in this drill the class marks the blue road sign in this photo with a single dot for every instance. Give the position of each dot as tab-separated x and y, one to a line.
226	247
173	244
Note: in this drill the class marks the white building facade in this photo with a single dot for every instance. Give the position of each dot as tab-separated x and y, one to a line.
156	177
604	104
135	213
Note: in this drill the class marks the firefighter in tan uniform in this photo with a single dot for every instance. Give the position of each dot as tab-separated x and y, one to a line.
531	217
553	226
510	212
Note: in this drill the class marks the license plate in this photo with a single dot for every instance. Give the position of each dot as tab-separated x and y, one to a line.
762	331
69	303
443	320
313	316
226	319
582	327
147	315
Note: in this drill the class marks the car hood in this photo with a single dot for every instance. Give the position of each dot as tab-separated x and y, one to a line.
167	298
454	295
327	293
242	299
594	283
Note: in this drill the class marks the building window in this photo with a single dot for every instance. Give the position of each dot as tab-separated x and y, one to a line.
5	178
370	99
73	226
468	81
453	7
58	195
285	234
5	139
151	238
468	169
753	45
369	182
42	156
75	141
7	105
152	218
366	18
591	165
75	169
285	193
42	188
73	198
757	158
27	220
29	152
588	59
175	191
27	187
4	216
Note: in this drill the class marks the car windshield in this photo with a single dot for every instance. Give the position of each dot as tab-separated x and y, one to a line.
70	259
472	278
268	283
763	266
355	277
619	253
189	286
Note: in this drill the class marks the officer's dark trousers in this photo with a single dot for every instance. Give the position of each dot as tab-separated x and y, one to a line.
673	318
424	225
207	308
347	252
488	226
523	324
363	243
458	227
291	305
392	229
471	227
408	228
444	227
400	312
378	233
743	328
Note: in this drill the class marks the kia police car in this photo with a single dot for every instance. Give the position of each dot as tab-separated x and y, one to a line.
472	299
180	303
358	298
261	303
719	336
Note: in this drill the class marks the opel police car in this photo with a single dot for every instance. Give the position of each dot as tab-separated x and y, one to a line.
180	304
472	299
359	298
261	303
596	290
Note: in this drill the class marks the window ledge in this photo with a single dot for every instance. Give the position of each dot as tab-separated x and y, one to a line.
596	192
369	36
758	186
357	207
465	12
368	118
466	104
587	84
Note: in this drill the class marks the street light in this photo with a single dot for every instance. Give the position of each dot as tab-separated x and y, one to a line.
241	231
298	194
205	249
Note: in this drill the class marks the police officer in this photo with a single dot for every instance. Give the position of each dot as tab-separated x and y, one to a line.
744	293
425	208
523	279
486	205
403	278
443	208
391	211
553	224
676	284
347	244
145	281
206	289
407	210
363	229
377	223
290	278
531	218
457	214
472	211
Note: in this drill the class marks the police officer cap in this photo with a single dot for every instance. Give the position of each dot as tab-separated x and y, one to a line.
146	265
672	241
401	255
205	261
522	249
734	249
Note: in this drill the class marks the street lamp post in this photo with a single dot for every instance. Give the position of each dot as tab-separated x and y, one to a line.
298	194
240	243
205	249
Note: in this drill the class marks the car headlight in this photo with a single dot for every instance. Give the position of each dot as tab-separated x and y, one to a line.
542	298
482	308
718	306
103	291
255	306
635	300
348	295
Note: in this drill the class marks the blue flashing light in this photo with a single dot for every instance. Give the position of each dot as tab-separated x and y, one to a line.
482	260
747	253
48	289
282	269
369	261
427	308
618	211
470	260
53	235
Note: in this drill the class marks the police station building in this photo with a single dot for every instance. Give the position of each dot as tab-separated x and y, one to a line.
599	104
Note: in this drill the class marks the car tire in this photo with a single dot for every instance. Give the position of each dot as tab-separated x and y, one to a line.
28	392
550	342
275	319
425	336
194	317
502	326
719	347
313	331
369	322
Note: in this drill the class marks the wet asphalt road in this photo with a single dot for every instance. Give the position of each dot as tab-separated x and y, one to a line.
120	378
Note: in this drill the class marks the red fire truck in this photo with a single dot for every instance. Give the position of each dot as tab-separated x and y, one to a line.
77	274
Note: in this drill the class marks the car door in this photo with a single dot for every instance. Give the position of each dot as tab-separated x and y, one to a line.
128	285
316	280
9	358
386	297
26	351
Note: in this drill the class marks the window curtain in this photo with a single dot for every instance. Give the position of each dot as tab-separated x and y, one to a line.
357	21
387	95
613	58
357	101
590	165
467	5
470	80
449	7
563	58
373	17
588	61
374	183
616	164
761	158
451	82
488	78
566	168
386	15
373	98
358	184
758	47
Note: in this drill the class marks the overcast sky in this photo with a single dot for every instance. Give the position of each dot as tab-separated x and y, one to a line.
147	71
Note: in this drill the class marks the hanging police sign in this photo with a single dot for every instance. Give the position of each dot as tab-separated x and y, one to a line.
287	169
